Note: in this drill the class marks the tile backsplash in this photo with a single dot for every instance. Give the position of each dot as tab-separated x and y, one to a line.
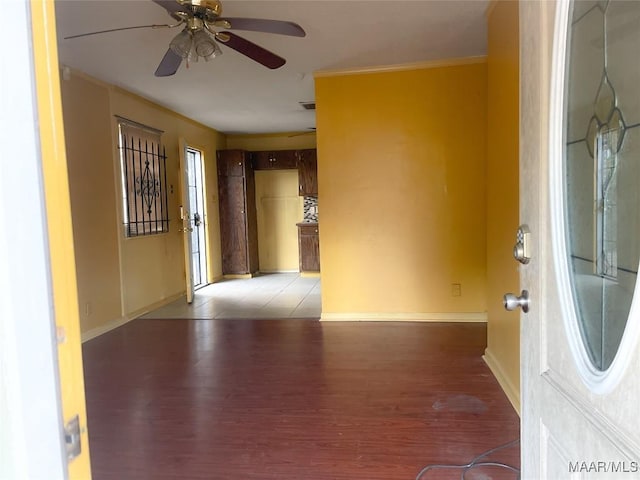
310	209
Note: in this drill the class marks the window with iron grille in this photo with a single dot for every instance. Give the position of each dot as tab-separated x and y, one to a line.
144	179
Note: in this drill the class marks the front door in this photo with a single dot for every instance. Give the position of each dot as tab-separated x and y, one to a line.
580	196
196	197
193	217
185	217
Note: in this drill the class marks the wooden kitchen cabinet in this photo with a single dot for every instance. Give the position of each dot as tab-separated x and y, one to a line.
308	172
274	160
309	244
238	219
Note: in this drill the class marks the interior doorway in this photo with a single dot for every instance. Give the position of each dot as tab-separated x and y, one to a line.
196	208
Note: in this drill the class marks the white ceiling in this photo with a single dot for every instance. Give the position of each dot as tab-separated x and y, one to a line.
232	93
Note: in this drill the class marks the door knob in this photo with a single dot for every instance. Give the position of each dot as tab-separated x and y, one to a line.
511	302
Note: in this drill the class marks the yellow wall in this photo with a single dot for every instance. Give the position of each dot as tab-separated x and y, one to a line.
93	199
118	277
272	141
279	208
503	343
401	168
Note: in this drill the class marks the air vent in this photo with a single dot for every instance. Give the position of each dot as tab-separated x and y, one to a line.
308	105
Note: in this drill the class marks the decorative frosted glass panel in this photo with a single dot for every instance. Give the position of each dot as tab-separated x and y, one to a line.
602	170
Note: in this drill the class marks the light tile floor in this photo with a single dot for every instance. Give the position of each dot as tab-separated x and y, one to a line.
277	295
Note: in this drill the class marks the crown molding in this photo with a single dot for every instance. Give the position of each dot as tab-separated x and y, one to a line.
448	62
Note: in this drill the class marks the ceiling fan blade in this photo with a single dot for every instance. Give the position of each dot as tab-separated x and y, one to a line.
262	25
117	30
169	64
171	6
251	50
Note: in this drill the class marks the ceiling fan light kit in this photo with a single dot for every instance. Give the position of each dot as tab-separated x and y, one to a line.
181	44
199	39
191	43
204	45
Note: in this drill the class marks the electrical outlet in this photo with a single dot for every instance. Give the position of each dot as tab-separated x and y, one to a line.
456	290
88	309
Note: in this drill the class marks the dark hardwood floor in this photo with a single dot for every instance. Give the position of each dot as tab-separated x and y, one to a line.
292	400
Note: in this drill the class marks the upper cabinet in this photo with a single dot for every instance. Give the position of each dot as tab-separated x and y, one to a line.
304	160
277	159
308	172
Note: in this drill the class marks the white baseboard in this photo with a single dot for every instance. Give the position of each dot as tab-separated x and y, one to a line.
405	317
512	393
118	322
104	328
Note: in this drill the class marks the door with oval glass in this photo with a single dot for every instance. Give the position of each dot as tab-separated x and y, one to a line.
580	195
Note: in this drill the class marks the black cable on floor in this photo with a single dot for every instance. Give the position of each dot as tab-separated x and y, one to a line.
475	462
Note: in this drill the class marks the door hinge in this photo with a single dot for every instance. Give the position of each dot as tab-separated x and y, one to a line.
72	436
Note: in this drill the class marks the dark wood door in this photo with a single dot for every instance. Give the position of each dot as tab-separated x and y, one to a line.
233	225
308	172
232	163
251	221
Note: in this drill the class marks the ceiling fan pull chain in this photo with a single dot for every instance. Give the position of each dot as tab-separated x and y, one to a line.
164	25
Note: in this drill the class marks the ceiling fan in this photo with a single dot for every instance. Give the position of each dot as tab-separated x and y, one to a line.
199	37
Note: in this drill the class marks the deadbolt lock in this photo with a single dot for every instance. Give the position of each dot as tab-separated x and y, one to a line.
522	248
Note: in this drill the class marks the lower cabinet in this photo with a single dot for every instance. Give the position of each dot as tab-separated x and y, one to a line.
309	243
